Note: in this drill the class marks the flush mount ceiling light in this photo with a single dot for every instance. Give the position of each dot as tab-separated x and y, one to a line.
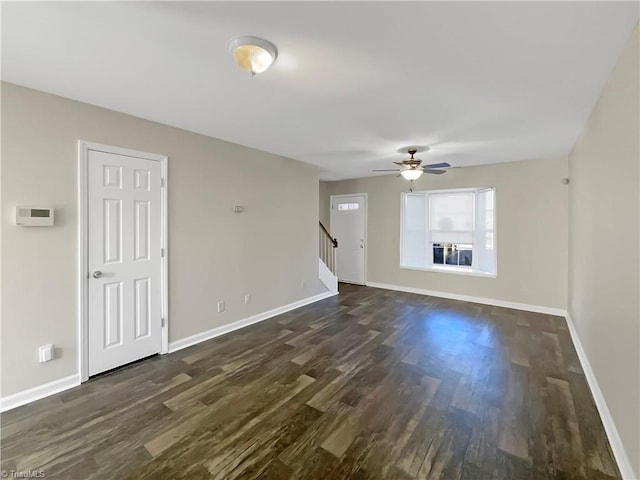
252	54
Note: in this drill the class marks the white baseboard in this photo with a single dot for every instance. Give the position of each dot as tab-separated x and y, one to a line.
36	393
610	428
41	391
216	332
467	298
607	420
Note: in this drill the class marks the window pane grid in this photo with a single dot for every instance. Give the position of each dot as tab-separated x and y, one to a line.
348	206
453	254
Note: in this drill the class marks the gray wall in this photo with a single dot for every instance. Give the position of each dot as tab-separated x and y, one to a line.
268	251
604	262
531	231
324	210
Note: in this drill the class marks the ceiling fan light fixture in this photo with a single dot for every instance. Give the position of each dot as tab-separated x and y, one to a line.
252	54
411	174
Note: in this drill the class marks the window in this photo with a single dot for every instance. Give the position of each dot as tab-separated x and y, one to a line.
449	230
348	206
453	254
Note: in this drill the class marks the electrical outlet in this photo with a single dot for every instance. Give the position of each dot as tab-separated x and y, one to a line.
247	299
221	306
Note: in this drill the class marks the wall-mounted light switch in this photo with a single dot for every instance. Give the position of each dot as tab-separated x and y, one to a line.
221	306
46	353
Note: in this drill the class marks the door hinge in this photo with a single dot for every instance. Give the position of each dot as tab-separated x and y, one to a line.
161	182
162	252
162	321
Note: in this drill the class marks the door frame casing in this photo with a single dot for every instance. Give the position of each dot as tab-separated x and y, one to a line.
83	245
366	226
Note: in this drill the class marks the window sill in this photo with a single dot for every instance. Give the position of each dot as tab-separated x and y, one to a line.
451	269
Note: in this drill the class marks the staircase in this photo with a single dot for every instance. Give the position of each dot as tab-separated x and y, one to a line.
327	260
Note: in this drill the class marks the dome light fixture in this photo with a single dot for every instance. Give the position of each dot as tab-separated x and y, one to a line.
252	54
411	173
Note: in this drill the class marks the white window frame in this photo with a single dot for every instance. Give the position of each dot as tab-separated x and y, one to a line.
452	269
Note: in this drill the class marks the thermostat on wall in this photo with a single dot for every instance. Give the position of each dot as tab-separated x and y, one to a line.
34	217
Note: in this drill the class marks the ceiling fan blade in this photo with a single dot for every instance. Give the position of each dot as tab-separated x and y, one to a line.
394	170
399	163
435	172
438	165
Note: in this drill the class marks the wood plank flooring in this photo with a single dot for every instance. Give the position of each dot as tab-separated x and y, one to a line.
371	384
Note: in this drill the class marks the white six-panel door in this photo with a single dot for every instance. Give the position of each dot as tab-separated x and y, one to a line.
348	225
124	259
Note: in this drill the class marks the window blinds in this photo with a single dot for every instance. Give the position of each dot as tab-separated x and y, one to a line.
451	218
414	238
484	249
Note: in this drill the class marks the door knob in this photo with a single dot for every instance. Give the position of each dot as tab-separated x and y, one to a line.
97	274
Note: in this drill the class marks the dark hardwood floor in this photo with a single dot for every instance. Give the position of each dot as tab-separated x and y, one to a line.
370	384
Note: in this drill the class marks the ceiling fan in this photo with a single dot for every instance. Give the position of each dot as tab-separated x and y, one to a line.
411	168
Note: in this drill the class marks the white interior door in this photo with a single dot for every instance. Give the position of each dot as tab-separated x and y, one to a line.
124	259
348	225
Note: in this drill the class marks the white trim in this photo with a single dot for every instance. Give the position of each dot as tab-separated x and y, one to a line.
36	393
230	327
83	264
615	441
127	152
41	391
467	298
164	244
366	228
451	269
83	245
444	191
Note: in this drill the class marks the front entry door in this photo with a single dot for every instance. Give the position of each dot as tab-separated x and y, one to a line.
348	220
124	259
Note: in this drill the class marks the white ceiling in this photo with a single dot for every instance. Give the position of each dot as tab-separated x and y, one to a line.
479	82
